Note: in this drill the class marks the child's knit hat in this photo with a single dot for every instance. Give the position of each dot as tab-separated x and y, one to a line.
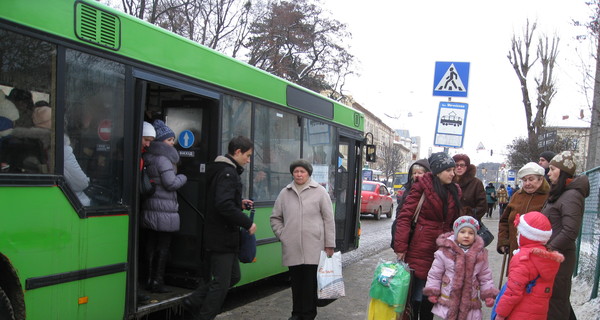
465	221
533	227
162	131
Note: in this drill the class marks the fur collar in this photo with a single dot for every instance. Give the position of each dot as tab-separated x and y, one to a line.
159	148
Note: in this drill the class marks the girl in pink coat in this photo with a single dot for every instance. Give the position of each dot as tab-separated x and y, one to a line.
460	275
531	271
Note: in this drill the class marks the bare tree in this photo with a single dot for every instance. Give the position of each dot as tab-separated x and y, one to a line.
391	159
520	59
296	42
222	25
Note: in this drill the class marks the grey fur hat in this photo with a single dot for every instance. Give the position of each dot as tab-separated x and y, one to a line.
301	163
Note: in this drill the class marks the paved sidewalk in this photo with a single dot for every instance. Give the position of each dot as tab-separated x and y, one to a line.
357	277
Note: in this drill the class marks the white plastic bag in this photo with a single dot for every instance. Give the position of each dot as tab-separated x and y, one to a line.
330	283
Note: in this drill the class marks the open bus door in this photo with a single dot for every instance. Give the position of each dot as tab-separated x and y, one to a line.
192	113
347	203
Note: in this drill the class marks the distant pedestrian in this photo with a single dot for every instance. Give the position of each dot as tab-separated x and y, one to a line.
490	193
473	200
532	272
564	208
544	161
502	196
510	191
460	274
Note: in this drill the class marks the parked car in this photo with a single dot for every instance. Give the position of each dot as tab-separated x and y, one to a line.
376	199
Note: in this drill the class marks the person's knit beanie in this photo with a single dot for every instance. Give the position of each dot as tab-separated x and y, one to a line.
463	157
565	161
301	163
148	130
548	155
465	221
530	168
162	131
439	162
533	227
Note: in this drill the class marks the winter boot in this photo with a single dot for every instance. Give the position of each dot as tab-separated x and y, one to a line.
157	281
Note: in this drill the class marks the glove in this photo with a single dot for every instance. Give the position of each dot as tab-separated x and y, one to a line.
433	299
489	302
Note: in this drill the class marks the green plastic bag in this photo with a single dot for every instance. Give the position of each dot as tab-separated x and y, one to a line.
391	283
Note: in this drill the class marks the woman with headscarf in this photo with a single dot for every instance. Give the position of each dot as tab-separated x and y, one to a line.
531	197
564	209
302	219
473	200
416	170
437	214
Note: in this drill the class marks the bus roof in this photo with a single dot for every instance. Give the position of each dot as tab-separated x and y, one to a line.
149	44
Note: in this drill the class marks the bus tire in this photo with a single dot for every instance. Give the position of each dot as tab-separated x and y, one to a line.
6	309
377	213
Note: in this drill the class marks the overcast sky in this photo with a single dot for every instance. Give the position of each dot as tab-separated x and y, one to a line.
398	42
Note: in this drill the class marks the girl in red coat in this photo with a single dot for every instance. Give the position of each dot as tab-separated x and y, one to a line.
441	206
531	271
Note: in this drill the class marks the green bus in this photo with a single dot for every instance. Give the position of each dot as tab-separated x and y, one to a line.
77	81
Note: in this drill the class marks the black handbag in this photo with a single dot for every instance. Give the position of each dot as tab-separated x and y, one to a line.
247	244
147	186
485	234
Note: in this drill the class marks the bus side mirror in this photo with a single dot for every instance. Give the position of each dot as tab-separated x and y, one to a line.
371	155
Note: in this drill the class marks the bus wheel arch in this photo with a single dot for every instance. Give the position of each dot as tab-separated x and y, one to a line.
11	287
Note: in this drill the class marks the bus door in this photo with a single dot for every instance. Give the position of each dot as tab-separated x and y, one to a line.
192	113
347	203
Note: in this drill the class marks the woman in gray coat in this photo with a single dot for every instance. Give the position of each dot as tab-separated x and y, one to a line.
303	221
160	210
564	209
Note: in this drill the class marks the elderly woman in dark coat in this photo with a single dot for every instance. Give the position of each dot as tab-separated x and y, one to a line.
438	212
564	209
473	200
160	212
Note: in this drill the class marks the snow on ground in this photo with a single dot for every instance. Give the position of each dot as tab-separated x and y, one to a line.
585	309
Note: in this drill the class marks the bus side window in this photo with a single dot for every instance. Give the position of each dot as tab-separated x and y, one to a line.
94	121
26	144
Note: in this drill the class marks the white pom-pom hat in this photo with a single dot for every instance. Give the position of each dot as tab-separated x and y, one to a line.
534	226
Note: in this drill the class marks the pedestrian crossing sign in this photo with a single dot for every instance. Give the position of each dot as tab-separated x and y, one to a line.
451	79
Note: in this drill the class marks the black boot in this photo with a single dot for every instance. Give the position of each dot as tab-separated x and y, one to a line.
193	302
157	281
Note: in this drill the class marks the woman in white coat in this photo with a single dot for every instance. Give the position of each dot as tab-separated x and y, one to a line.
303	221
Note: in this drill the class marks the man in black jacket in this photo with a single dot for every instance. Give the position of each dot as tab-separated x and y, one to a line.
223	220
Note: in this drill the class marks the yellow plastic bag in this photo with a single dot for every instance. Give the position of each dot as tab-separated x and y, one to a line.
379	310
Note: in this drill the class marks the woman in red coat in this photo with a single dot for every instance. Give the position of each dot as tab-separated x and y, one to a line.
441	206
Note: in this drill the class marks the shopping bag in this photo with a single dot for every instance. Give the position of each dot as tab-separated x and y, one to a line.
330	283
391	283
247	252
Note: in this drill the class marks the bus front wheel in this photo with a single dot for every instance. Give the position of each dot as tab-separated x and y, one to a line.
6	310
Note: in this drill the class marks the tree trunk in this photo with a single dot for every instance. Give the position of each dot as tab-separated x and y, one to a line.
594	146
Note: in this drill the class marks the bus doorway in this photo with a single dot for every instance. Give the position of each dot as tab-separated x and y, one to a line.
193	117
347	204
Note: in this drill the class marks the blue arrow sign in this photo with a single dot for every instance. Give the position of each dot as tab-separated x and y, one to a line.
451	79
186	139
